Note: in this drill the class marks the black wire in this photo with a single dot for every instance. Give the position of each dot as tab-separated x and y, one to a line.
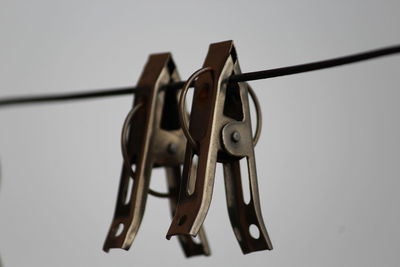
66	97
250	76
265	74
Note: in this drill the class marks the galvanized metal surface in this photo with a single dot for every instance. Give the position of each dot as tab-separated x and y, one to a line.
219	131
155	139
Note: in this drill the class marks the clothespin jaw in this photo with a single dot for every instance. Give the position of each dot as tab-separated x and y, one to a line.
154	139
219	131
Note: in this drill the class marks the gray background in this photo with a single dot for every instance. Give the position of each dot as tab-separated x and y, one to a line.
328	158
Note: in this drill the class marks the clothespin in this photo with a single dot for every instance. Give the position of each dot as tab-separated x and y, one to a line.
219	131
151	137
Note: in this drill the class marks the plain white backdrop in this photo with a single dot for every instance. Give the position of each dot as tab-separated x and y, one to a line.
328	158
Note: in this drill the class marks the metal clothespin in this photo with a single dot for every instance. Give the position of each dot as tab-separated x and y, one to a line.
219	131
151	137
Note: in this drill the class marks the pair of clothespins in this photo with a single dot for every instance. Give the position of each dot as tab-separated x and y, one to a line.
159	133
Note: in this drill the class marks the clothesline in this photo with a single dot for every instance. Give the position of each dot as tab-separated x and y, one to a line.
243	77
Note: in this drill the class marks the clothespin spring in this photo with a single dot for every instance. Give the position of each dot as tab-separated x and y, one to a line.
124	149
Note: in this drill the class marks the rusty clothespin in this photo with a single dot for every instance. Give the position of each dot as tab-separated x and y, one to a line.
219	131
151	137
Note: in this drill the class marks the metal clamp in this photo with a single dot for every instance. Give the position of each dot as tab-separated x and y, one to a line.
220	131
151	137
